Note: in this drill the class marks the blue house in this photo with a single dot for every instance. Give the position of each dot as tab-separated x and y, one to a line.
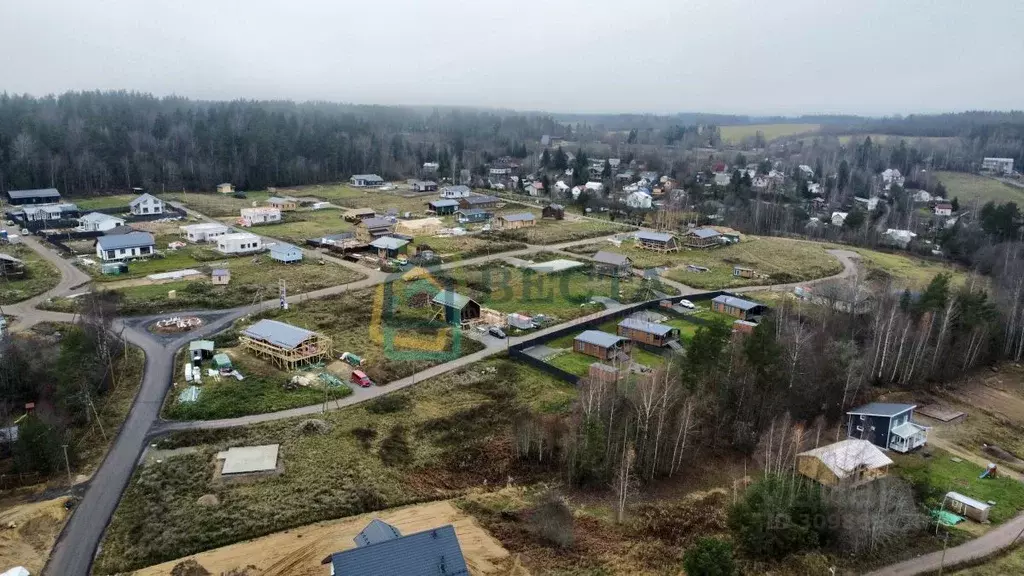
472	215
285	252
443	207
888	426
381	550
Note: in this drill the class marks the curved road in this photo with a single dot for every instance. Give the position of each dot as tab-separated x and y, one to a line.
75	549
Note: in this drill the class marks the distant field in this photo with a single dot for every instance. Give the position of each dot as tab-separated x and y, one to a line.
735	134
968	187
915	273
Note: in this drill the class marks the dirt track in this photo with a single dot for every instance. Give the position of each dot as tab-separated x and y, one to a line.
298	552
36	526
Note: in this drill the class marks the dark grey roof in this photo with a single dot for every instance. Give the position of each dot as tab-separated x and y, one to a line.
459	188
37	193
367	177
705	233
611	258
278	333
376	531
221	272
472	211
599	338
433	552
452	299
556	207
480	199
654	236
520	217
376	223
735	302
122	241
444	202
648	327
883	409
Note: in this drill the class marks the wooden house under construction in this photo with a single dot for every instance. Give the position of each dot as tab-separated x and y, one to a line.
286	346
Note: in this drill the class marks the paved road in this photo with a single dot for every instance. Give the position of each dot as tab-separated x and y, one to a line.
72	278
991	543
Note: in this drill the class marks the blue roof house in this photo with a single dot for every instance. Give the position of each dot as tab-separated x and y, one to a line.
381	550
886	425
283	252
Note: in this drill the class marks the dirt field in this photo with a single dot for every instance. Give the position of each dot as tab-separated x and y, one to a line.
35	529
299	552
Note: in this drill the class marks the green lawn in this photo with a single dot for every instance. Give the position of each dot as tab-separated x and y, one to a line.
736	134
301	225
969	187
456	436
103	202
572	362
913	272
1010	563
935	476
218	205
40	276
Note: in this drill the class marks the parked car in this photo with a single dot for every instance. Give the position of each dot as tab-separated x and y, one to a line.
496	332
686	304
360	379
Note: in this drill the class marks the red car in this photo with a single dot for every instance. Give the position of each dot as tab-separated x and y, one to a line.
360	378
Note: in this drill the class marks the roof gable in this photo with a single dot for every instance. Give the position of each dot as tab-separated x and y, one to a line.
883	409
376	223
451	299
599	338
122	241
429	553
648	327
143	198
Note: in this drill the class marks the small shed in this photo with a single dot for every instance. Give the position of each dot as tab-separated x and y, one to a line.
742	272
200	350
283	252
456	307
221	361
743	326
226	188
966	506
601	345
221	276
556	211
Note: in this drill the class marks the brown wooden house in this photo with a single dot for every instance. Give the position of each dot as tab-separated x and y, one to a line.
612	264
658	241
650	333
702	238
372	228
601	345
737	307
515	221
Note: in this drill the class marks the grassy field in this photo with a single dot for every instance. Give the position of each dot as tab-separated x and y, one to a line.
935	476
218	205
439	438
300	226
736	134
40	276
453	248
783	260
1011	562
262	391
904	270
969	187
103	202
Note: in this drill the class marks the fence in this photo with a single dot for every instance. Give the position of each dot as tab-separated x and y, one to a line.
17	480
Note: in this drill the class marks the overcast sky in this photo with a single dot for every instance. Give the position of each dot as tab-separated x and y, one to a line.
729	56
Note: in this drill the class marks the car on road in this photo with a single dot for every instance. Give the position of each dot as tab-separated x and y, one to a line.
496	332
360	379
686	304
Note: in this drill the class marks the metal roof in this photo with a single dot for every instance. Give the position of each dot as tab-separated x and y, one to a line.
883	409
278	333
37	193
844	457
146	196
99	217
376	223
443	203
977	504
367	177
611	258
451	299
705	233
201	345
284	247
472	211
480	199
518	217
598	338
221	272
460	188
376	531
389	243
278	200
648	327
122	241
429	553
654	236
907	429
735	302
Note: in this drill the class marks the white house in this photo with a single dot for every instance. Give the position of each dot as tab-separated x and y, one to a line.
723	179
762	183
430	167
146	204
239	243
124	246
205	232
814	188
98	222
576	191
260	215
455	192
806	171
561	186
47	212
900	238
890	177
922	197
364	180
944	209
839	218
594	186
535	188
998	165
639	199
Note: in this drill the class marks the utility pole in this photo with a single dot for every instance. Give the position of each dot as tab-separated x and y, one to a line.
67	463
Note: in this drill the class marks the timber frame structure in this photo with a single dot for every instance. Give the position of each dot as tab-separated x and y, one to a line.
315	348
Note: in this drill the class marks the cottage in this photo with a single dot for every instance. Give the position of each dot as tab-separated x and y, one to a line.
888	426
612	264
261	215
472	216
389	247
742	272
443	207
602	345
239	243
285	345
479	201
456	308
966	506
372	228
555	211
891	177
124	246
943	209
455	192
226	188
381	550
723	179
1002	166
366	180
658	241
282	204
284	252
40	196
98	222
49	212
594	186
839	218
535	188
146	204
702	238
641	199
650	333
515	221
205	232
899	238
737	307
221	276
562	187
847	462
357	214
424	186
11	267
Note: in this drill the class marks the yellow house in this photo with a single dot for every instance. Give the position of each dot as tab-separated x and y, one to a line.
282	204
226	188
